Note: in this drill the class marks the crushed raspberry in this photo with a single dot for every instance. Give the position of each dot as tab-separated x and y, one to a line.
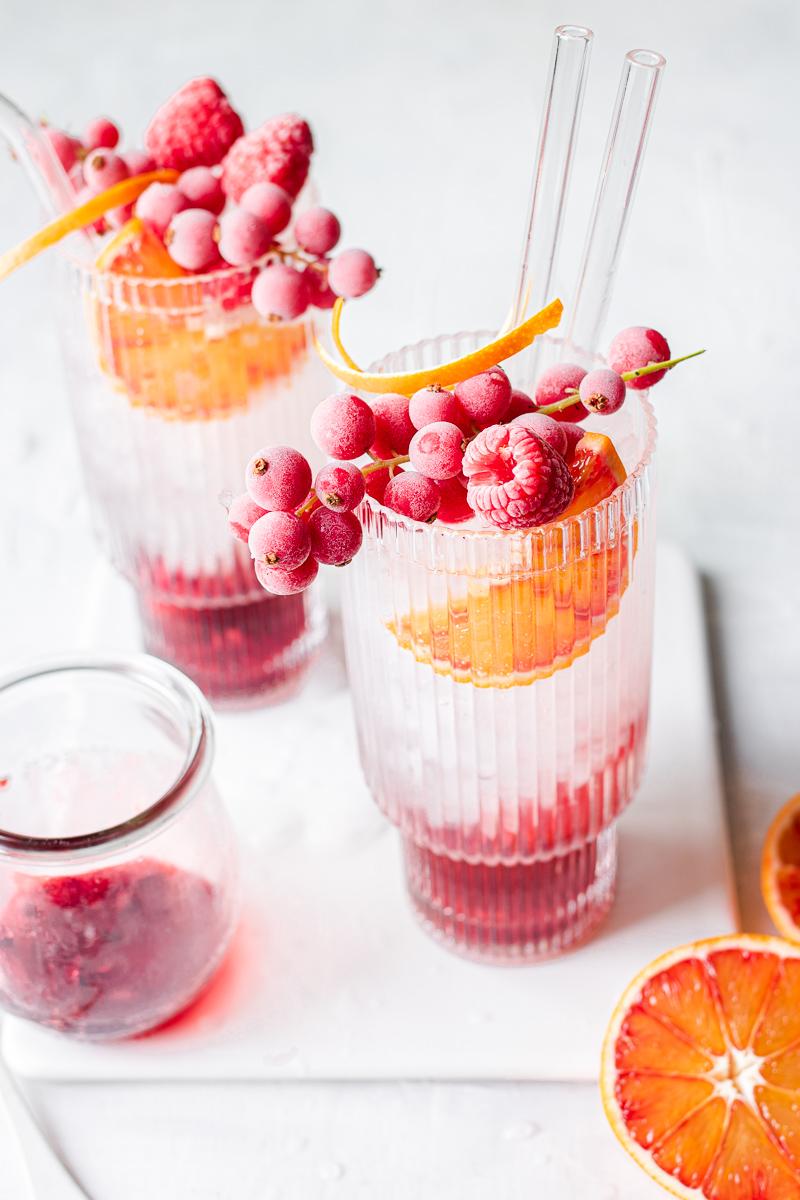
194	128
279	151
515	480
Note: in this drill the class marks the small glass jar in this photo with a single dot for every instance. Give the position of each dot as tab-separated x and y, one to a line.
118	881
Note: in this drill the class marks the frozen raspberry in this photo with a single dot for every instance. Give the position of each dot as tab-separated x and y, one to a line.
280	292
202	189
485	398
603	391
102	169
279	151
243	238
286	583
101	133
65	146
335	536
194	128
638	347
317	230
515	480
158	204
454	506
242	516
546	428
319	290
376	483
436	403
343	426
437	450
280	539
340	486
352	273
394	428
191	239
270	203
555	383
278	478
413	495
139	162
520	403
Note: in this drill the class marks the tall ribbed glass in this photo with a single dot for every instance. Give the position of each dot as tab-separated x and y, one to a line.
501	688
174	383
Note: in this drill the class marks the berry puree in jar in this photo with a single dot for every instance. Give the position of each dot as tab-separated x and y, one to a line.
111	952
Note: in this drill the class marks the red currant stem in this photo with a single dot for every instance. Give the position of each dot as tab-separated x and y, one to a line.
651	368
571	398
379	463
310	503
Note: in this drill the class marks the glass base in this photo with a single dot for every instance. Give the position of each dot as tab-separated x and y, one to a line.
520	913
241	652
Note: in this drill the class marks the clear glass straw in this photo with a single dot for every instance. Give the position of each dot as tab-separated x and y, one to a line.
558	134
619	173
38	158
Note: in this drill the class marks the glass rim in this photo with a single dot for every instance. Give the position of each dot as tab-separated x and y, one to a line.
146	672
442	529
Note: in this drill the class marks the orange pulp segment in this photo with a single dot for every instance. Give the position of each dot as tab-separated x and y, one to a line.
79	217
138	250
780	870
408	382
700	1074
597	471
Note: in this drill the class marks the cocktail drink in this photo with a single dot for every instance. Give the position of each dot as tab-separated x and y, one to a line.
500	684
188	295
118	882
172	381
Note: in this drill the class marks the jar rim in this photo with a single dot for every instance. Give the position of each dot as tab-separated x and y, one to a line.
146	672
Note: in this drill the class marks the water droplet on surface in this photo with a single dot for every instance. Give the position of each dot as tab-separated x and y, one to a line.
521	1132
331	1171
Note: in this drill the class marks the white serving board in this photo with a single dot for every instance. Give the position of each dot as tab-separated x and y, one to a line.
331	978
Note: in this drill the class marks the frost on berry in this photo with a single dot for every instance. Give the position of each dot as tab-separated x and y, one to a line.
280	539
202	189
243	237
335	537
546	428
635	348
194	128
278	478
158	204
352	273
280	292
435	403
603	391
394	428
437	450
279	151
343	426
555	384
413	495
340	486
270	203
191	239
515	480
281	582
485	397
317	230
242	516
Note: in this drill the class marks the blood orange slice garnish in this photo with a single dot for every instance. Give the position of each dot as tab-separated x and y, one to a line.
700	1075
458	369
78	218
138	250
780	870
597	470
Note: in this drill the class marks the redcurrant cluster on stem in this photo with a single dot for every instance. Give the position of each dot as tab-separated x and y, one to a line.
232	201
483	449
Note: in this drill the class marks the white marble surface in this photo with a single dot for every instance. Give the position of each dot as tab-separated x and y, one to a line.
424	113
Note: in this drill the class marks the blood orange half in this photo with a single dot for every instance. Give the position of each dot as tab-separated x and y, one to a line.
780	870
700	1074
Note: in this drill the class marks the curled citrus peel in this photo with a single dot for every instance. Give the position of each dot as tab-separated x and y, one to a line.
408	382
121	193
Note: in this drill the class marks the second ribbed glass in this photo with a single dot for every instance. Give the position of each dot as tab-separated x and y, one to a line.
501	688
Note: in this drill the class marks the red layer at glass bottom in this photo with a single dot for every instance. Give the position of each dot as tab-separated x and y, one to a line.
237	648
109	953
515	912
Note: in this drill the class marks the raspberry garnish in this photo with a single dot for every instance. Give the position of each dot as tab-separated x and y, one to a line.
278	151
194	128
638	347
515	480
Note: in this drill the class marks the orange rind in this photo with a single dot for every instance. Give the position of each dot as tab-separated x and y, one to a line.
455	371
78	218
780	870
700	1072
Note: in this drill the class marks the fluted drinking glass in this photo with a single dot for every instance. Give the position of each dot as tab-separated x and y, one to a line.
501	689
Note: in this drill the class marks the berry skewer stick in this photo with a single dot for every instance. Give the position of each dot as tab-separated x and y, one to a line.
619	174
558	134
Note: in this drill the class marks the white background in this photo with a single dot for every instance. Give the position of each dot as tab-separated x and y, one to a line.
425	115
